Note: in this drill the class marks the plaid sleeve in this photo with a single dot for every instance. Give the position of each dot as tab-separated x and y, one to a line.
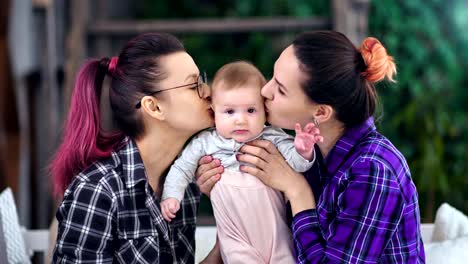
86	223
368	211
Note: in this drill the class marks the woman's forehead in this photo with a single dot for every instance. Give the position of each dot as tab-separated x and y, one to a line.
286	68
286	58
180	65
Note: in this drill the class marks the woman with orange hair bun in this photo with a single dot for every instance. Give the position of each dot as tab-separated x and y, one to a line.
358	202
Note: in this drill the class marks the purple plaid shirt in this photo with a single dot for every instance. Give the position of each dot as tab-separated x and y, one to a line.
367	205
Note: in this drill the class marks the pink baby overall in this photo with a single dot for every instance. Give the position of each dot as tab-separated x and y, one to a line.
250	220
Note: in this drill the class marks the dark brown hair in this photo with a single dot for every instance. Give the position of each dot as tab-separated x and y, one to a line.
342	76
135	73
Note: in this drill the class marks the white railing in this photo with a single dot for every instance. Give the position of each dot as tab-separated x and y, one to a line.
38	240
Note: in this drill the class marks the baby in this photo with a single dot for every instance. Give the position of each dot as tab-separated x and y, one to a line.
250	216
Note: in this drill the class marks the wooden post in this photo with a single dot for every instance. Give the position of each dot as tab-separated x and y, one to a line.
350	18
47	118
104	49
75	52
22	64
103	45
4	86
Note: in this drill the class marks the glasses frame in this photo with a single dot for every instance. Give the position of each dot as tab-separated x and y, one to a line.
201	80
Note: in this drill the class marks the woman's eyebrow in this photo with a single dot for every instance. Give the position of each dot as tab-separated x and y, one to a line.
280	84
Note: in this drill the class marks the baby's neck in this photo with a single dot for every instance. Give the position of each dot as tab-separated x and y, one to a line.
252	138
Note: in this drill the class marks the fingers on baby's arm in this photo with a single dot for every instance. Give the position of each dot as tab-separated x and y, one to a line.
205	160
308	128
315	131
311	129
174	207
314	139
165	211
253	171
297	128
299	144
206	167
260	148
209	174
169	208
209	179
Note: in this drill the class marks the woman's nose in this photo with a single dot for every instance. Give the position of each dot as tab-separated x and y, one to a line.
267	90
206	92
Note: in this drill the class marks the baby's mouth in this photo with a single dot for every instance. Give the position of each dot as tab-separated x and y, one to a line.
241	131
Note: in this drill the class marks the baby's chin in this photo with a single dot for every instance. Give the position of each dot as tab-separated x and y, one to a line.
239	139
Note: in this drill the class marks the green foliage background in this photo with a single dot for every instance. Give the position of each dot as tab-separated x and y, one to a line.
424	114
426	111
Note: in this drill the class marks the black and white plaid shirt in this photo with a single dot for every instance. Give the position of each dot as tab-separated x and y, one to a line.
110	214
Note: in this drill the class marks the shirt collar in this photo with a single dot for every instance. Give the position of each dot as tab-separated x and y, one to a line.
343	146
132	164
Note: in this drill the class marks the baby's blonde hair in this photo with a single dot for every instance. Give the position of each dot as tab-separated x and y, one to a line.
237	74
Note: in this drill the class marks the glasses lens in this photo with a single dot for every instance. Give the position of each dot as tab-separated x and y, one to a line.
200	87
201	84
203	76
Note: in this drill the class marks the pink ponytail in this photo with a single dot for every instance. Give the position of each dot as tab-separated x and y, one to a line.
83	141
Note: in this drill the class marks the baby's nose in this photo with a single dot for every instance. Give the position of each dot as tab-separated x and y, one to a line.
241	119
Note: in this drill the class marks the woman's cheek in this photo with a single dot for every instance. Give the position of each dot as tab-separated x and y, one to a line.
283	118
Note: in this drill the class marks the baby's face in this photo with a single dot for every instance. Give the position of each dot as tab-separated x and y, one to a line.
239	112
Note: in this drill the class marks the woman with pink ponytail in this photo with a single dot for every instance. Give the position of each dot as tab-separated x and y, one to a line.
358	203
111	182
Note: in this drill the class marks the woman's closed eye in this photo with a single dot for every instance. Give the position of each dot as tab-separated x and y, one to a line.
195	85
280	87
194	82
280	90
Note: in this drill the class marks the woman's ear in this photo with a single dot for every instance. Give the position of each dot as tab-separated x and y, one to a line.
153	107
323	113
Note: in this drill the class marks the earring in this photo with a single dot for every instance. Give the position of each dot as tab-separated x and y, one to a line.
316	122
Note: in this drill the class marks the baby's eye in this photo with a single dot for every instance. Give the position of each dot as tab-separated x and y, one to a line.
229	111
251	110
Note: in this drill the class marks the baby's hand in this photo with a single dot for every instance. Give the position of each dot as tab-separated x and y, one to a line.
169	208
305	140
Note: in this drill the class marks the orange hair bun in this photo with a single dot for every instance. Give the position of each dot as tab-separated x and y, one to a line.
380	65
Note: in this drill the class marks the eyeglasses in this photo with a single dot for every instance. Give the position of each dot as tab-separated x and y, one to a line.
201	82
